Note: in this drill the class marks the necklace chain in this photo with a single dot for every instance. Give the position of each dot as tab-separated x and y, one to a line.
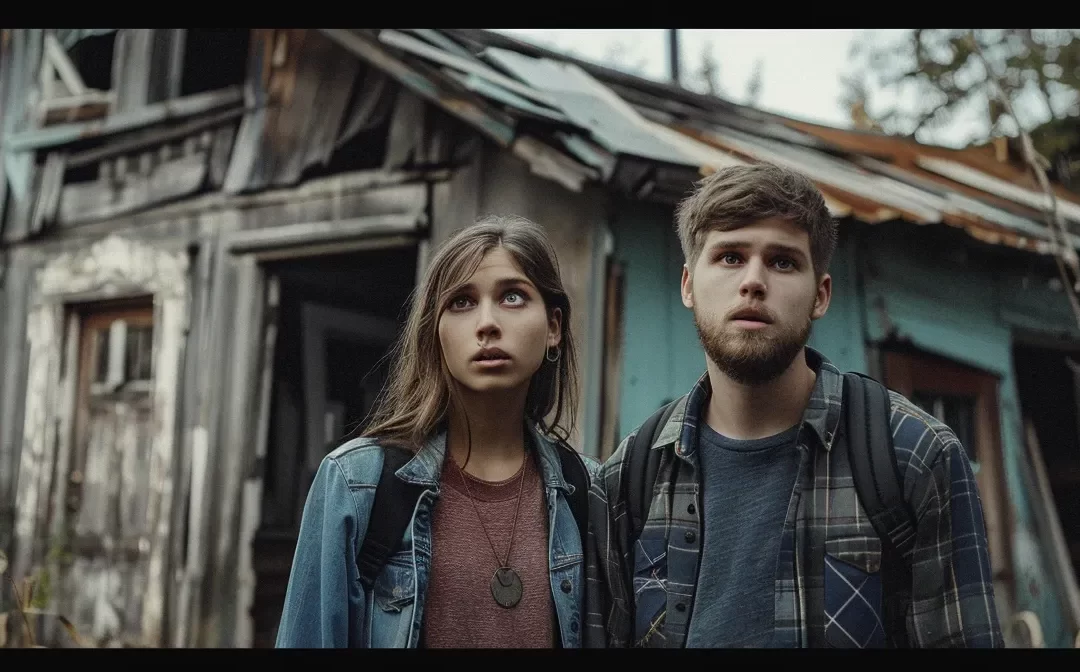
513	530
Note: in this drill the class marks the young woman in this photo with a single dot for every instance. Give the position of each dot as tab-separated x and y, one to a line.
490	552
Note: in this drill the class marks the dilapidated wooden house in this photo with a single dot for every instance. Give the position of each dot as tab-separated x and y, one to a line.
208	237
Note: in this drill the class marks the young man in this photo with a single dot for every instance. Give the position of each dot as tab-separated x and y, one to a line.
753	533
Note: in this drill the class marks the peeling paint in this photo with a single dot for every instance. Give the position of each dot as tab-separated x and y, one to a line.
110	268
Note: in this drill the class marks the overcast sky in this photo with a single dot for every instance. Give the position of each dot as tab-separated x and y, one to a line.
801	69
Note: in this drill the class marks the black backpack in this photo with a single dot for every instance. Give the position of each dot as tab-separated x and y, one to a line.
396	499
867	435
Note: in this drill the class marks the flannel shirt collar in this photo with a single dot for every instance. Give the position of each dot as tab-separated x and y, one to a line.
821	416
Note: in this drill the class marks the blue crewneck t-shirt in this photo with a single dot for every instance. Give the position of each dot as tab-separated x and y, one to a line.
746	489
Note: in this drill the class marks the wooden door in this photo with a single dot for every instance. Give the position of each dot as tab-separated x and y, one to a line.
109	482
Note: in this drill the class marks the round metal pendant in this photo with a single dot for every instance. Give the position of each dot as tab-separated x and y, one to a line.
506	587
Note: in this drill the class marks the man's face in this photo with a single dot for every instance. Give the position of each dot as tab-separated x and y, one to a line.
754	296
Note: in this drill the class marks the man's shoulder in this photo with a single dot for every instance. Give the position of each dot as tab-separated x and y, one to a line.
611	470
919	438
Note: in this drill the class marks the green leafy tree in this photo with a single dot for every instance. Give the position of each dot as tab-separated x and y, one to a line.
929	83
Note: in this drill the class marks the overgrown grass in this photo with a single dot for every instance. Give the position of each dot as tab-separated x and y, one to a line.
29	600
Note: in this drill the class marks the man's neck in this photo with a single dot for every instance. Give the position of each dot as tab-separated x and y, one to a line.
745	412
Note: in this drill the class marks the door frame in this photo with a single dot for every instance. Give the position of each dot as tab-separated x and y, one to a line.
241	407
110	269
319	321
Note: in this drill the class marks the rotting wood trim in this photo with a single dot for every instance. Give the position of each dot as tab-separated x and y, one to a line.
177	108
368	244
443	92
238	376
152	137
1061	567
185	550
553	165
335	185
50	190
251	504
338	231
86	202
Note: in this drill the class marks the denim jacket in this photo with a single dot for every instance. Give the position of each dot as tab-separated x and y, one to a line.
327	606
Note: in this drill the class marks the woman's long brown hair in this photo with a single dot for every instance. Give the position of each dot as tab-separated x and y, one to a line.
416	398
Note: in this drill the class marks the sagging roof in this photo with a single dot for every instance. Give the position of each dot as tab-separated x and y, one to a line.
648	138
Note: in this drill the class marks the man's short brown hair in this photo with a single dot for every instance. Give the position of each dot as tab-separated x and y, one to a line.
736	196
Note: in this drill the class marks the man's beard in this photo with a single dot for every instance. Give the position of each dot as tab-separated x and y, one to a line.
752	357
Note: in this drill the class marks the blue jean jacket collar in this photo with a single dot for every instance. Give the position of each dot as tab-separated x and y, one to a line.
424	467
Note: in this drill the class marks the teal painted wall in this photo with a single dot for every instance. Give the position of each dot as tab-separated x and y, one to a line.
839	333
934	289
661	356
929	285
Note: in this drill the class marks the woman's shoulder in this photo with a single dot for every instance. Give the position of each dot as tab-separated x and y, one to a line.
359	460
591	464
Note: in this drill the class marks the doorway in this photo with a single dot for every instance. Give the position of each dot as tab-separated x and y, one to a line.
1047	381
337	318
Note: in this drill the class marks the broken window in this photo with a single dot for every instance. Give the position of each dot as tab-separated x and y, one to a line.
76	76
214	58
121	345
92	56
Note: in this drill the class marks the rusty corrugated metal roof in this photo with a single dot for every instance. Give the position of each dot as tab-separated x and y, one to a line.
604	119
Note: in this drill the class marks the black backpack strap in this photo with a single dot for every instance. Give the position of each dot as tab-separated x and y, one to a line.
879	484
390	515
873	461
577	474
639	476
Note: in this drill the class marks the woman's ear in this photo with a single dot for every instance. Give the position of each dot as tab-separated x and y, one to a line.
555	328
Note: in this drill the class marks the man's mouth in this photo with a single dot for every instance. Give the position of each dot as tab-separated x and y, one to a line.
751	315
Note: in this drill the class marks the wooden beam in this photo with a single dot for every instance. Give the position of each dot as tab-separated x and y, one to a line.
337	232
302	89
131	69
175	68
180	108
552	164
56	57
151	138
1058	550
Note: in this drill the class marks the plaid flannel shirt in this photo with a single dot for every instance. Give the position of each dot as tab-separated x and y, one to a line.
828	570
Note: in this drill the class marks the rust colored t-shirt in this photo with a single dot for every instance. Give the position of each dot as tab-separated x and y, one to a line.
460	611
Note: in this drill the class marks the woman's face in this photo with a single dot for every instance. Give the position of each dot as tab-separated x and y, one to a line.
496	330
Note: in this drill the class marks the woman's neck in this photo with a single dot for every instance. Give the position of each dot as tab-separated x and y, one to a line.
487	435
